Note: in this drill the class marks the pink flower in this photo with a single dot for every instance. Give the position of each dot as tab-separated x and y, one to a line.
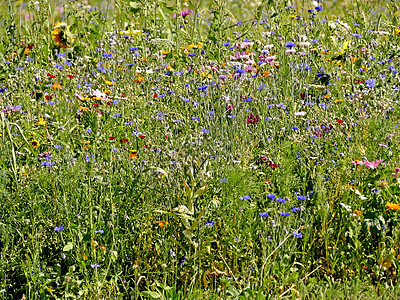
357	162
373	164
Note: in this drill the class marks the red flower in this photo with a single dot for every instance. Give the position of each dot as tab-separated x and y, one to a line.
96	104
48	97
339	121
123	95
70	76
142	136
51	76
125	140
111	138
109	103
155	96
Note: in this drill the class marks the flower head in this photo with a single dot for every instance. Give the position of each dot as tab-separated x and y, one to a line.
35	144
392	206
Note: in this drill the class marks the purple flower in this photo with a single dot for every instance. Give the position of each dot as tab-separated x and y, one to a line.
298	235
95	266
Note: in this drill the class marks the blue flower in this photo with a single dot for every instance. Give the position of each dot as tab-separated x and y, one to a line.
99	231
271	196
223	180
210	223
95	266
59	228
281	200
302	198
285	214
263	214
370	83
240	71
295	209
298	235
318	8
244	197
356	35
290	44
182	260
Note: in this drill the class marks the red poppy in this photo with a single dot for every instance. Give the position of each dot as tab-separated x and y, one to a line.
51	76
70	76
30	46
364	267
48	97
123	95
111	138
155	96
125	140
96	104
142	136
303	95
109	103
339	121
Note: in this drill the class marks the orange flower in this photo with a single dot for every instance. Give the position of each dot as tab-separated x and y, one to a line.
57	86
392	206
162	223
358	212
133	154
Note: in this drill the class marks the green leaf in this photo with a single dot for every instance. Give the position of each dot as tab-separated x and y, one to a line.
68	246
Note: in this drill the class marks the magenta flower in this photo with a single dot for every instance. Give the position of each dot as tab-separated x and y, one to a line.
397	171
357	162
252	119
373	164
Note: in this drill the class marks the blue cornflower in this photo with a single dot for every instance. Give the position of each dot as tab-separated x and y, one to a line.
210	223
240	71
226	44
99	231
244	197
295	209
357	35
302	198
370	83
285	214
319	8
263	214
290	44
223	180
182	260
271	196
59	228
281	200
298	235
205	130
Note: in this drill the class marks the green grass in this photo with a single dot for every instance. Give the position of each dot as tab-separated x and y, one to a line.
147	155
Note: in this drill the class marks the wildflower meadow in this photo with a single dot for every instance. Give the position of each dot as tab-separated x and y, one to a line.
207	149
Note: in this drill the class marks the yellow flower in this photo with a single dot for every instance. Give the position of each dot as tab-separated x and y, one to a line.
109	83
392	206
41	122
35	144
